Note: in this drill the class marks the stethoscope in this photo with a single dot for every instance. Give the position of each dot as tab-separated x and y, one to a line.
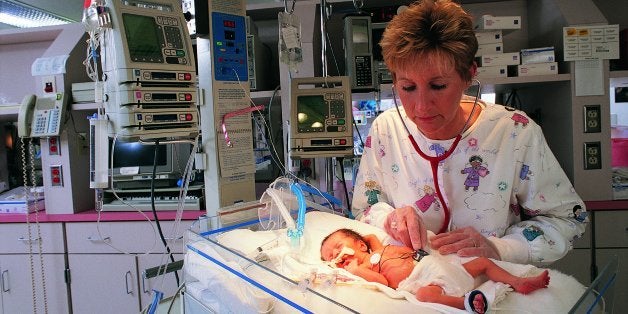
435	160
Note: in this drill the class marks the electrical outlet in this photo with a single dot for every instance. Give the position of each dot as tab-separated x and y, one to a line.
592	155
592	119
56	175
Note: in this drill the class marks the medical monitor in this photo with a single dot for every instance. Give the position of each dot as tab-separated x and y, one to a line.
149	42
358	52
321	117
143	37
132	164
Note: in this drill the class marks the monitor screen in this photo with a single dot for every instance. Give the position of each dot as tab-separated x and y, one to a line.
143	37
133	163
374	106
311	113
134	154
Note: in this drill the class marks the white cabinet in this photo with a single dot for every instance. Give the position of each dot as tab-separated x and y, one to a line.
611	239
16	278
103	283
106	261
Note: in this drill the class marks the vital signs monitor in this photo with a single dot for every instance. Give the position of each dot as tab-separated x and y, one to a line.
321	117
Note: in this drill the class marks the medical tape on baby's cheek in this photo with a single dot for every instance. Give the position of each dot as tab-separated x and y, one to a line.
344	251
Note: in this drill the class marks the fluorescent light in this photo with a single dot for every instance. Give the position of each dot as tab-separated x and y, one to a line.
22	15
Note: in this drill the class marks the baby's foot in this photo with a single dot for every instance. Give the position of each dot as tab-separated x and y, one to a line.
526	285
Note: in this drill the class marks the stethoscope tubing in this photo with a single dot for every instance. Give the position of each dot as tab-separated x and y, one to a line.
435	160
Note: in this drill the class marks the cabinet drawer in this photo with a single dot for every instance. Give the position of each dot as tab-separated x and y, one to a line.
124	237
15	237
611	229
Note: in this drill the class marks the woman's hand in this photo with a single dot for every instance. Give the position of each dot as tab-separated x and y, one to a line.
465	242
405	226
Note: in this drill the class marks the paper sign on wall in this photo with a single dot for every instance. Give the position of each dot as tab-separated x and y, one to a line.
591	42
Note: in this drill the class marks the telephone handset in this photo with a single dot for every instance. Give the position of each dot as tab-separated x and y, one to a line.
41	116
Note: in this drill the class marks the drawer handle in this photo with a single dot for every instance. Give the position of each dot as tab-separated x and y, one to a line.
126	281
144	285
23	239
99	240
5	281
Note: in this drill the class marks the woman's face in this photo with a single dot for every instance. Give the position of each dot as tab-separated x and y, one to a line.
430	91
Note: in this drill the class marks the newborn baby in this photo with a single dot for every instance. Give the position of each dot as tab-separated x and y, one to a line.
429	278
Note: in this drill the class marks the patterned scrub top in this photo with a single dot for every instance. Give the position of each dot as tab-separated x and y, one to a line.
502	179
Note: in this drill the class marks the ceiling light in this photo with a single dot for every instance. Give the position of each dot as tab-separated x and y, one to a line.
22	15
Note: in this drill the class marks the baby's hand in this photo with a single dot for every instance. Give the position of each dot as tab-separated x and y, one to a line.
352	266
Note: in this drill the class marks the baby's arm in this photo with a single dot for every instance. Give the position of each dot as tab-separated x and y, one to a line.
365	272
373	242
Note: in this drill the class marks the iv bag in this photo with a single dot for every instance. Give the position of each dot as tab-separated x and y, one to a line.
290	51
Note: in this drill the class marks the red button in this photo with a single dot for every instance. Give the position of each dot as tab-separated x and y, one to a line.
343	141
188	117
188	76
56	180
55	172
188	97
53	140
53	149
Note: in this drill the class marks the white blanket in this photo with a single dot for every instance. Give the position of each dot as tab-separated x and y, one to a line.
303	264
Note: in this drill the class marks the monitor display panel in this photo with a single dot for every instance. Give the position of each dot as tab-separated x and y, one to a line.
311	113
360	36
133	162
143	37
135	154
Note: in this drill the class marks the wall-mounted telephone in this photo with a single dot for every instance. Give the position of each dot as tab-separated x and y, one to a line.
42	116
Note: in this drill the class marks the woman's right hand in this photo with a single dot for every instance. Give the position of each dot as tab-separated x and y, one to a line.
404	225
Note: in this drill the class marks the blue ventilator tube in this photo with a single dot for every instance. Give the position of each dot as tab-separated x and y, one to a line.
157	296
295	235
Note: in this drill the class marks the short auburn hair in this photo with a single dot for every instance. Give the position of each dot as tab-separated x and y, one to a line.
430	28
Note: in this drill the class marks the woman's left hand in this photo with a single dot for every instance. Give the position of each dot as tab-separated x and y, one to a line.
465	242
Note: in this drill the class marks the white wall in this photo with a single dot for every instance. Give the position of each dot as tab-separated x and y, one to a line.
620	109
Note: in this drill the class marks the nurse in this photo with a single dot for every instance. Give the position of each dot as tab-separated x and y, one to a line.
464	156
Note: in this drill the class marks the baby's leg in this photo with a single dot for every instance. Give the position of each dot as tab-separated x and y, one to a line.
435	294
525	285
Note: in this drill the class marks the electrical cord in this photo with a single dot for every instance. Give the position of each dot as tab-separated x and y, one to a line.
344	184
152	204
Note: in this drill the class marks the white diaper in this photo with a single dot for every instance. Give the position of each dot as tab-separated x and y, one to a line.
433	270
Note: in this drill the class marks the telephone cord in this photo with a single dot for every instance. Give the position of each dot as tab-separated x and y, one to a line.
39	238
27	194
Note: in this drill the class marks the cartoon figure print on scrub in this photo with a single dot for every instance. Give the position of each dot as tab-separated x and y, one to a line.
427	200
519	118
474	173
525	172
371	192
579	214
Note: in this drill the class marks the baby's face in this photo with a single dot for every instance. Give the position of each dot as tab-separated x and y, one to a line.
333	247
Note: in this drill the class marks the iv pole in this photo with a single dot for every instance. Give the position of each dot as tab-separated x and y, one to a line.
329	166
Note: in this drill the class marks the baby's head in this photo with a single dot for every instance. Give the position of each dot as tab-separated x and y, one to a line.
333	244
